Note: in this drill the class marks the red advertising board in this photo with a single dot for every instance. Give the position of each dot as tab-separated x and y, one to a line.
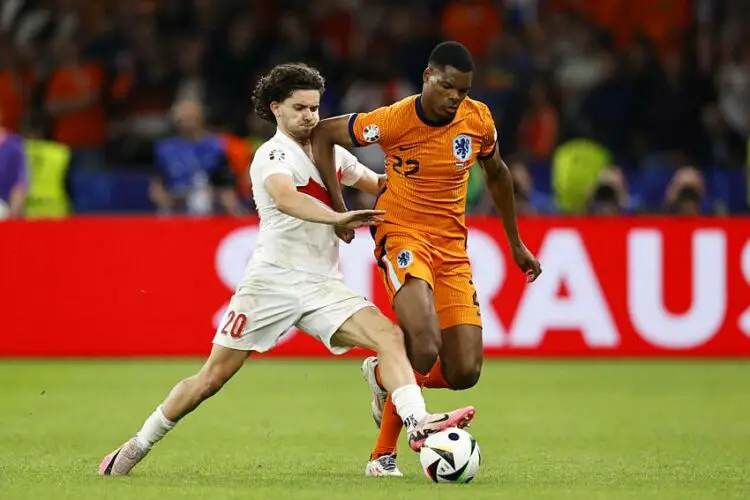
158	287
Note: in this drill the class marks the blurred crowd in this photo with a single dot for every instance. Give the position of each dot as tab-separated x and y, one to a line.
602	107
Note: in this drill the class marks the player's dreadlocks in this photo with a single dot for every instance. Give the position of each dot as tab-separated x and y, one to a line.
279	83
452	54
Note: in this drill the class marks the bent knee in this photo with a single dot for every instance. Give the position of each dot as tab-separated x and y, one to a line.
465	376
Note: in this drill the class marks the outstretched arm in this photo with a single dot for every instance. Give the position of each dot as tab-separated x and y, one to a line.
328	133
500	185
295	204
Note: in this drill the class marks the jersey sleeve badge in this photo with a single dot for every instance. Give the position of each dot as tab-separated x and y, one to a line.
277	155
371	133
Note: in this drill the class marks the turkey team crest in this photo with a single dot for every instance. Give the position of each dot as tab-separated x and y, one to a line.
462	147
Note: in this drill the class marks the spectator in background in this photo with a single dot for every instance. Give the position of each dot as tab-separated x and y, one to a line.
13	174
191	86
413	34
143	91
501	81
234	57
193	169
296	43
333	25
672	119
374	86
576	165
610	195
529	200
723	147
540	124
733	83
581	64
240	149
74	102
48	165
16	83
642	72
686	192
608	106
472	22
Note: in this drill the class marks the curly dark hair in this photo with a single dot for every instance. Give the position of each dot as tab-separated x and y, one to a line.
279	83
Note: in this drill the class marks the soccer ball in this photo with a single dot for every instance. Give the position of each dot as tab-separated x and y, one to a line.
450	456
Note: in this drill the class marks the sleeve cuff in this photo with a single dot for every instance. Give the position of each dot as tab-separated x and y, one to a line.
352	136
488	155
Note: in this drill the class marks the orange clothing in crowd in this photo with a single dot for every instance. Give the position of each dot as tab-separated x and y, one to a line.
239	155
539	132
663	21
14	95
472	22
85	127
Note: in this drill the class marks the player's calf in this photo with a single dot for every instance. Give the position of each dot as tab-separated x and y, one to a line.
187	395
415	308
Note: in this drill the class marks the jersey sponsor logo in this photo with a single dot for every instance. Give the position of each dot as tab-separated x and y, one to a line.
277	155
372	133
404	259
462	147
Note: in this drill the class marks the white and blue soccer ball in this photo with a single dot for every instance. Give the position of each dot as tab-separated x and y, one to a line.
451	456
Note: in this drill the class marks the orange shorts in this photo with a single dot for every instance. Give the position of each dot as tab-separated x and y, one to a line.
443	263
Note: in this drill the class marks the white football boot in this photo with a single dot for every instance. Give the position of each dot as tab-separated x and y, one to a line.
384	466
379	394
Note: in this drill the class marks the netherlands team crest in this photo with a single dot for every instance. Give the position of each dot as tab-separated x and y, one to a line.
462	147
404	259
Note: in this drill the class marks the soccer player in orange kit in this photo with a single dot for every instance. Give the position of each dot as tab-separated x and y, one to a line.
430	141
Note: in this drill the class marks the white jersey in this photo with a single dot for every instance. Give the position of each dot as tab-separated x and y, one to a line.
285	241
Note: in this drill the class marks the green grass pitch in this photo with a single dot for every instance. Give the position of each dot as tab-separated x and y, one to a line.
302	430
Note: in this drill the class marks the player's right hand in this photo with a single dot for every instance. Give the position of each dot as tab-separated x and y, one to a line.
359	218
526	261
345	234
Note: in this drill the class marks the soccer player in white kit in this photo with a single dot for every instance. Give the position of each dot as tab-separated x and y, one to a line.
293	277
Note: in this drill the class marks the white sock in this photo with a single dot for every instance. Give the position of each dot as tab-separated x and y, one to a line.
154	428
409	404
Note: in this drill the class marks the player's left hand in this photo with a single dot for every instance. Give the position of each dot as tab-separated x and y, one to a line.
344	233
526	261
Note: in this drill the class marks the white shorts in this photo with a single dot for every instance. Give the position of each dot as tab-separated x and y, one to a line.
271	300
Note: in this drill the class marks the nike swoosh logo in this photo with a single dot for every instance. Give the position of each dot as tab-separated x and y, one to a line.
406	148
443	419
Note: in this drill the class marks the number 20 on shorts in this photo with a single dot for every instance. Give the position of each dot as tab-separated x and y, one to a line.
234	325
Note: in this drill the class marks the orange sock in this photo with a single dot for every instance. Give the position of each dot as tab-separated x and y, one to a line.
435	379
377	377
420	378
390	429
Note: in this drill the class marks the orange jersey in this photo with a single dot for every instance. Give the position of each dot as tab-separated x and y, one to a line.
427	163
